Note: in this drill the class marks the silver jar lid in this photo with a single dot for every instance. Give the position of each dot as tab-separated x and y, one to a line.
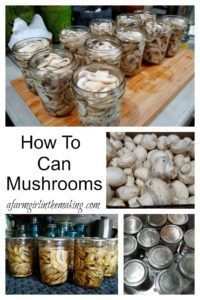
132	225
160	257
169	282
189	238
135	273
148	237
156	220
130	244
186	265
178	219
171	234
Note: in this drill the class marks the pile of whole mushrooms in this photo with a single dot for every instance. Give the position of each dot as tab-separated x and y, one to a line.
149	170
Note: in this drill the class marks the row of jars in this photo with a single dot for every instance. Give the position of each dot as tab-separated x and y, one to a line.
49	229
90	259
97	87
162	251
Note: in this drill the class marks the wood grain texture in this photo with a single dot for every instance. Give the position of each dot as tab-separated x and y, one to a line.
146	95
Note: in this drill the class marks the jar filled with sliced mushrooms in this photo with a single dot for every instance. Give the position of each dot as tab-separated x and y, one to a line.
179	25
157	39
129	20
52	73
111	257
53	260
21	254
102	27
23	51
98	90
89	262
146	16
73	40
133	43
103	50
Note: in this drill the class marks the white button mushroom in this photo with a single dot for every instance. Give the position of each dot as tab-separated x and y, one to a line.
115	177
179	190
127	160
116	202
187	178
163	168
133	202
142	173
191	189
160	190
141	153
138	139
127	192
149	141
179	146
117	135
163	142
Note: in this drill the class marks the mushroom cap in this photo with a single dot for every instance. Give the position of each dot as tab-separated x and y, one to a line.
115	176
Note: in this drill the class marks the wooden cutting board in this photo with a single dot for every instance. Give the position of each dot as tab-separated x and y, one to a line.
146	95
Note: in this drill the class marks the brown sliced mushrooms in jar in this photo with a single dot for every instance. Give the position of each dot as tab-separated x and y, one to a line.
73	40
89	262
52	73
20	253
103	50
111	257
102	27
133	42
157	40
179	25
23	51
129	20
53	260
98	89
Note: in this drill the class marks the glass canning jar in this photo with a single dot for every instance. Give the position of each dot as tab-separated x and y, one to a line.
98	90
103	50
73	39
21	254
145	16
24	50
128	20
102	27
157	40
111	257
89	262
178	25
52	73
53	260
133	42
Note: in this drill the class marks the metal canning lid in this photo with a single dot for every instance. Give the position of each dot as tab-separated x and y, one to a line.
156	220
189	238
135	272
130	244
132	225
171	234
160	257
186	265
178	219
148	237
169	282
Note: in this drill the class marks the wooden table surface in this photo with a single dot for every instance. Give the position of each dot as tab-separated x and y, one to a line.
146	95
